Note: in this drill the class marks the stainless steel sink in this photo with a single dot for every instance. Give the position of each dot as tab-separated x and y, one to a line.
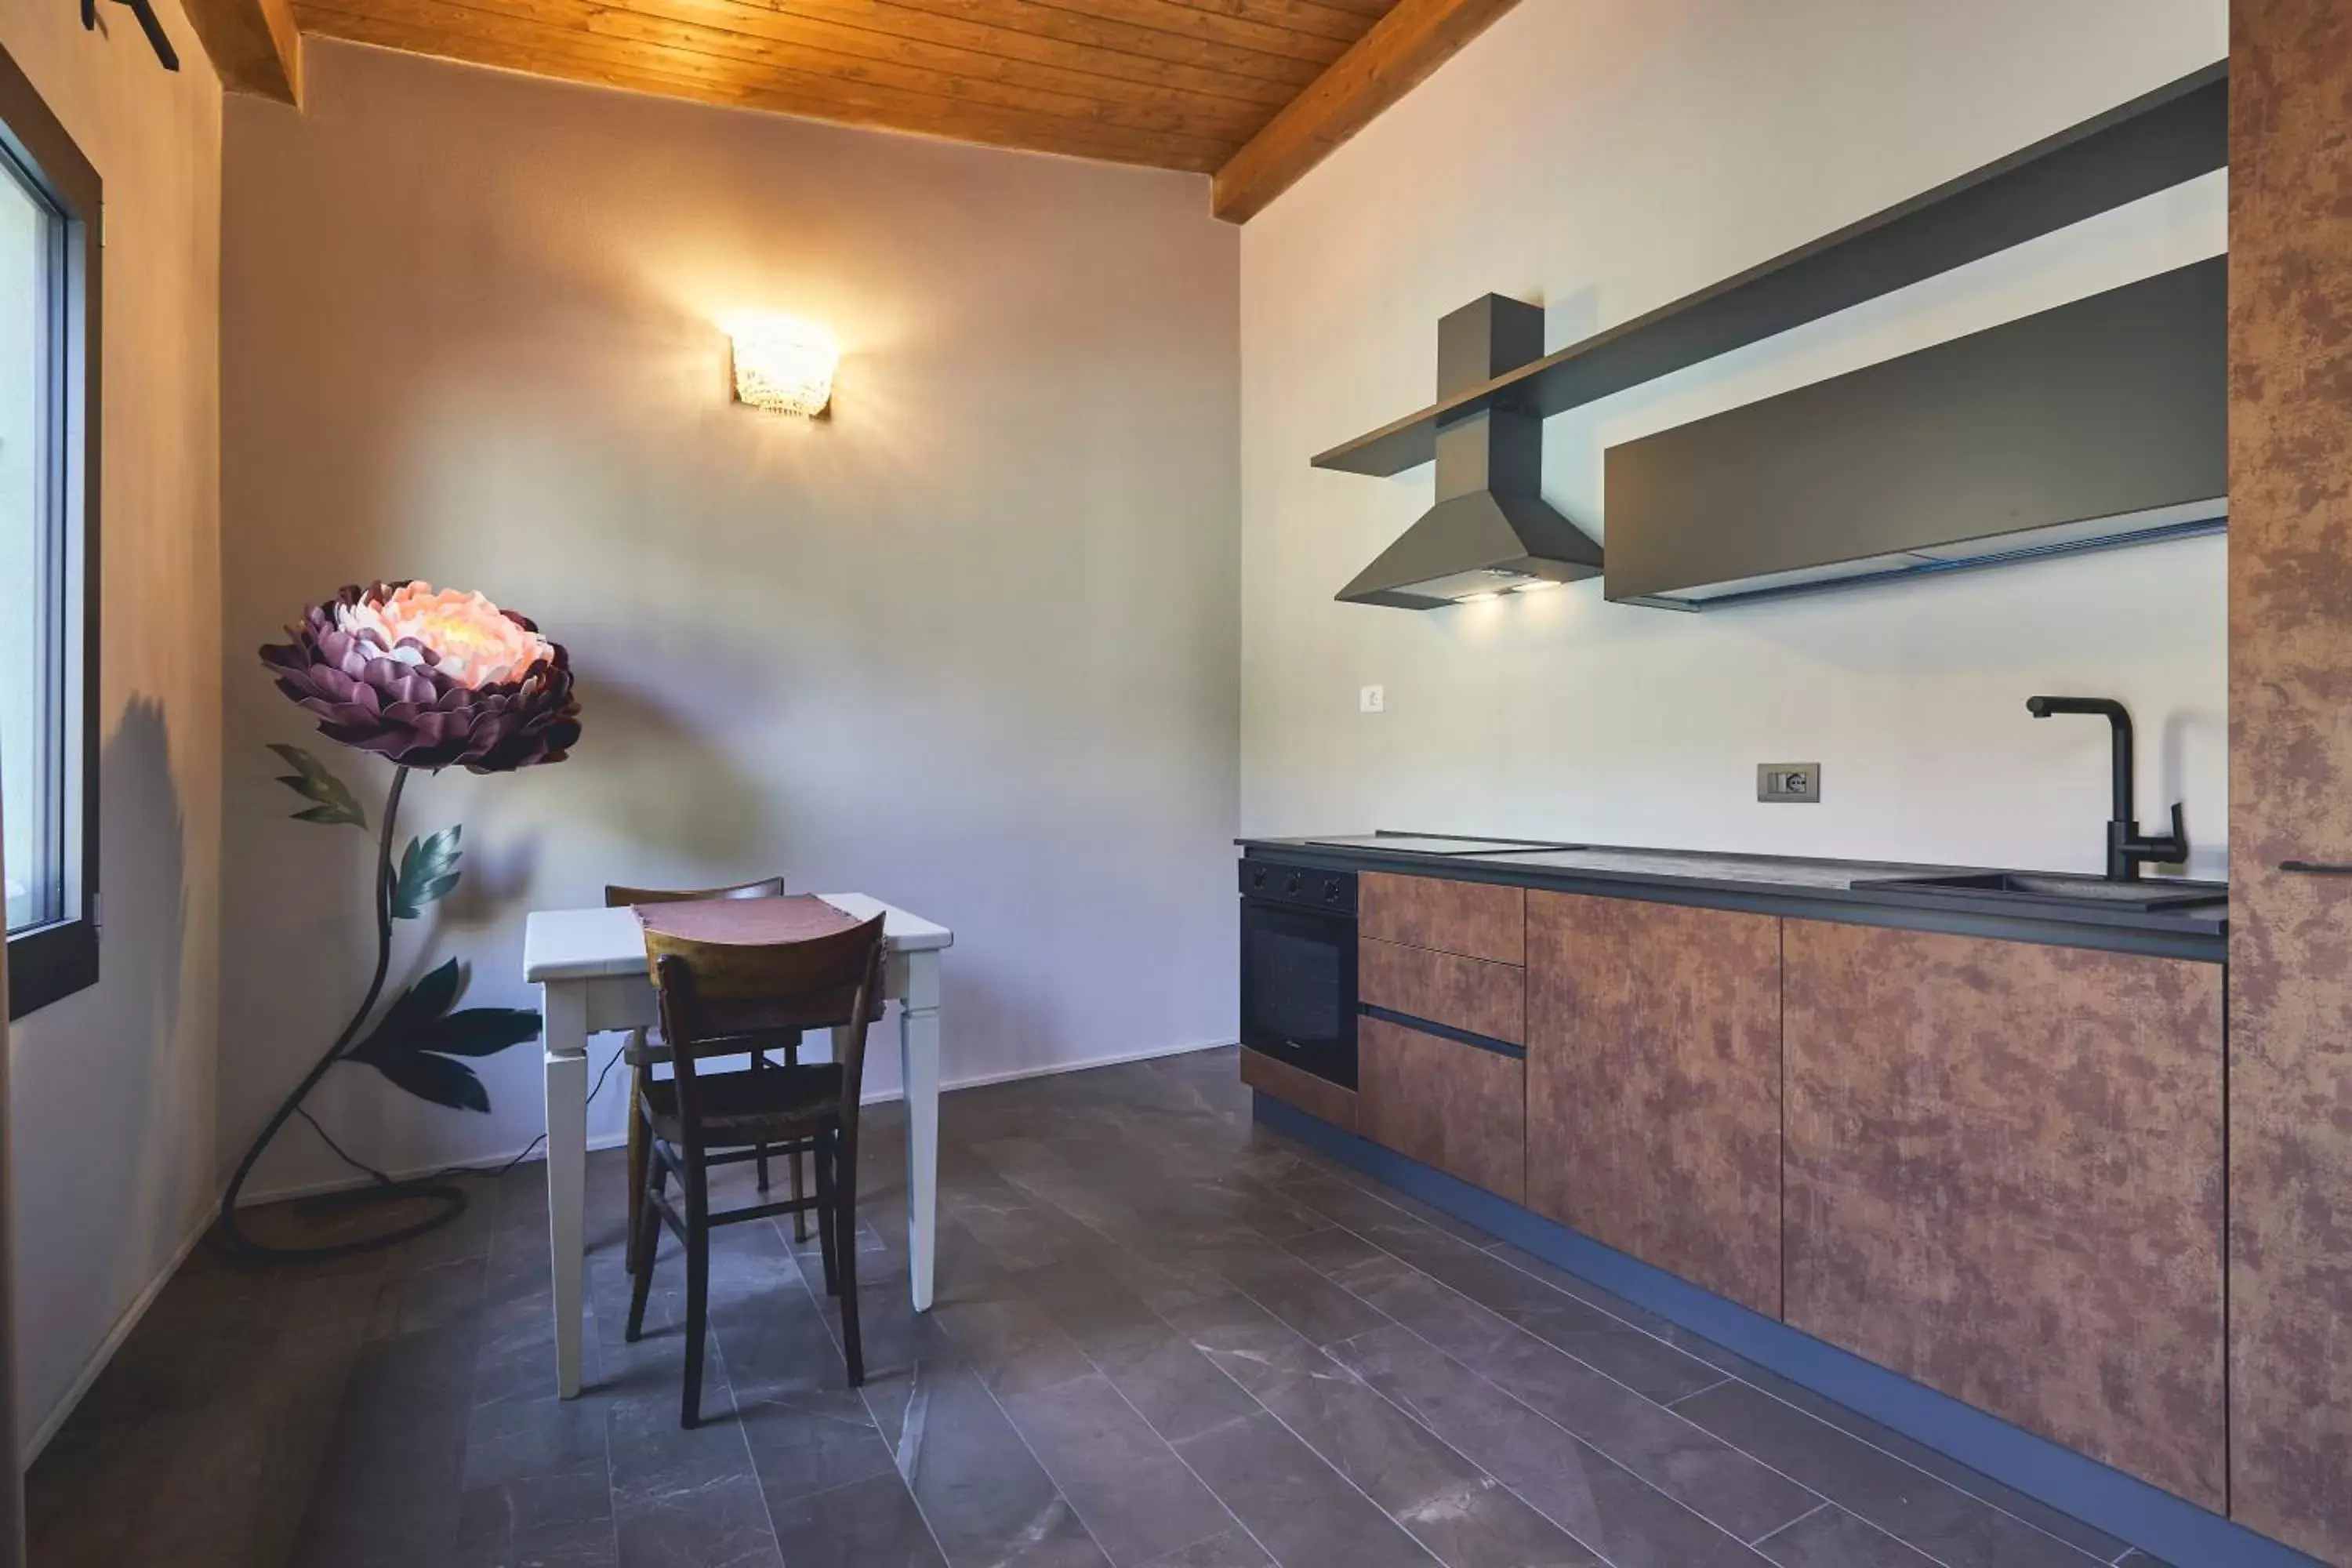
2058	888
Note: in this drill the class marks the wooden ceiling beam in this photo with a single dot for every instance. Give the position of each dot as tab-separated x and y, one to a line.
254	45
1401	50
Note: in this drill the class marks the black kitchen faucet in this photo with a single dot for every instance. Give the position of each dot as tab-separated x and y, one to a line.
2125	848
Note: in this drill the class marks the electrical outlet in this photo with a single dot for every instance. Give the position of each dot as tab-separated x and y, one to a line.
1372	699
1789	784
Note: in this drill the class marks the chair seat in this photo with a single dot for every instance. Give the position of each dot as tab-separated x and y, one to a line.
741	1108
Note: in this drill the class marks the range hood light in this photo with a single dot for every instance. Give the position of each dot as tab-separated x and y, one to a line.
1505	581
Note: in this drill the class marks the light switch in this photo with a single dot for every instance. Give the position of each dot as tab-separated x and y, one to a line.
1372	699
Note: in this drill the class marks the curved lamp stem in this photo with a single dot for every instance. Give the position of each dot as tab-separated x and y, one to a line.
452	1201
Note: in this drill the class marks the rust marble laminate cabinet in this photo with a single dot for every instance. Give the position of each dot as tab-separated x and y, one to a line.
1446	954
2290	774
1653	1085
1472	920
2004	1179
1460	1107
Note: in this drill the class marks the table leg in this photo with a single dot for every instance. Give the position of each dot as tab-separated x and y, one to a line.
564	1011
919	1064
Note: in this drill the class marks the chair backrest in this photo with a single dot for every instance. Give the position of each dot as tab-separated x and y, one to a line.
617	897
712	992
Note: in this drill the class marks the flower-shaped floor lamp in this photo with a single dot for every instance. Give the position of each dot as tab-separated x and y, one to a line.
428	680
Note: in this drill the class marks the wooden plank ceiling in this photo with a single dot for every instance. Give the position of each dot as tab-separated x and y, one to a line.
1175	84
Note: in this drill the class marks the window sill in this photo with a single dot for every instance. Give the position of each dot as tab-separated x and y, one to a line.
49	964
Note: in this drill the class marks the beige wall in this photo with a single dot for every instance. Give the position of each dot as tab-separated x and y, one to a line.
1604	158
969	646
112	1094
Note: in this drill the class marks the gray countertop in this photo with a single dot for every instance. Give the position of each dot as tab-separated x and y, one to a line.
1789	885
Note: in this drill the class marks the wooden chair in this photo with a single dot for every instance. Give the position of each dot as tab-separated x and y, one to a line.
713	994
644	1052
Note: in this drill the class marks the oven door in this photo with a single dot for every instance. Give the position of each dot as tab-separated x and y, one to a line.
1298	988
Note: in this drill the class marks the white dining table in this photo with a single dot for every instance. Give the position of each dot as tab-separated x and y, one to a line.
590	968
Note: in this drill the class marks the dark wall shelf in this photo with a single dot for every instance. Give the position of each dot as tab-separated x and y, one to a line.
2156	141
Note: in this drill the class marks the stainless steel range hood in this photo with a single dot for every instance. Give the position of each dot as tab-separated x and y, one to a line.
1491	530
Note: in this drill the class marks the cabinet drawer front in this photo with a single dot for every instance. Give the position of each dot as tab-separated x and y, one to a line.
1318	1097
1473	919
2005	1181
1459	1107
1471	993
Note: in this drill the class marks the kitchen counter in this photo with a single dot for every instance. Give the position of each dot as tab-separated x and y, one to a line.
1856	891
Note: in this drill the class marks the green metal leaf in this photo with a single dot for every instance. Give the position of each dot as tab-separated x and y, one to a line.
413	1014
311	780
428	871
480	1031
436	1078
414	1042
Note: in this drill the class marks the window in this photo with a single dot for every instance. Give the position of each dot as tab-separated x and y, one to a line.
50	207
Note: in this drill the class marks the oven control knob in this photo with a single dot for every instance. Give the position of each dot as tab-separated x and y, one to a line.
1295	879
1258	877
1331	889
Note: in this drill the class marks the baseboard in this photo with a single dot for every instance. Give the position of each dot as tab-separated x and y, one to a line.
124	1323
346	1184
1053	1070
2173	1530
614	1140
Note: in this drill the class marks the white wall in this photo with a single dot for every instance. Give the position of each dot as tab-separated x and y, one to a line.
1603	158
112	1090
969	646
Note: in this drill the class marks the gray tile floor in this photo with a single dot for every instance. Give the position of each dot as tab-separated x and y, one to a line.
1164	1338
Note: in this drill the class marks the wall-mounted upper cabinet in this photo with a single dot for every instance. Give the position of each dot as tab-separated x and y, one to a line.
2161	140
2099	423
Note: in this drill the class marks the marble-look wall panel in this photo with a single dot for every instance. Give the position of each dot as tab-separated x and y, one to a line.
1462	993
1477	919
2004	1179
1653	1085
2291	771
1459	1107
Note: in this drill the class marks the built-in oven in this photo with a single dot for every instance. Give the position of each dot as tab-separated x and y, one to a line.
1298	967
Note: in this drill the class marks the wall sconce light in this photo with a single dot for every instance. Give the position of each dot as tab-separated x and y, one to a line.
785	366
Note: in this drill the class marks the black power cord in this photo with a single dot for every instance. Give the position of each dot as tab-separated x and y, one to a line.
446	1172
528	1149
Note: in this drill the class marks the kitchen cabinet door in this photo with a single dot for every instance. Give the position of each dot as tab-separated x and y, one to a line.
1653	1085
2290	648
2004	1179
1458	1107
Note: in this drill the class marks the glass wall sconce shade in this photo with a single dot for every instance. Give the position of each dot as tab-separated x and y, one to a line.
785	366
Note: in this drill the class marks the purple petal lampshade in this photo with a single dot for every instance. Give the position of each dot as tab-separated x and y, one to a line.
430	680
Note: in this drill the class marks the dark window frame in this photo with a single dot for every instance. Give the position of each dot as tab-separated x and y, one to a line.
55	961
